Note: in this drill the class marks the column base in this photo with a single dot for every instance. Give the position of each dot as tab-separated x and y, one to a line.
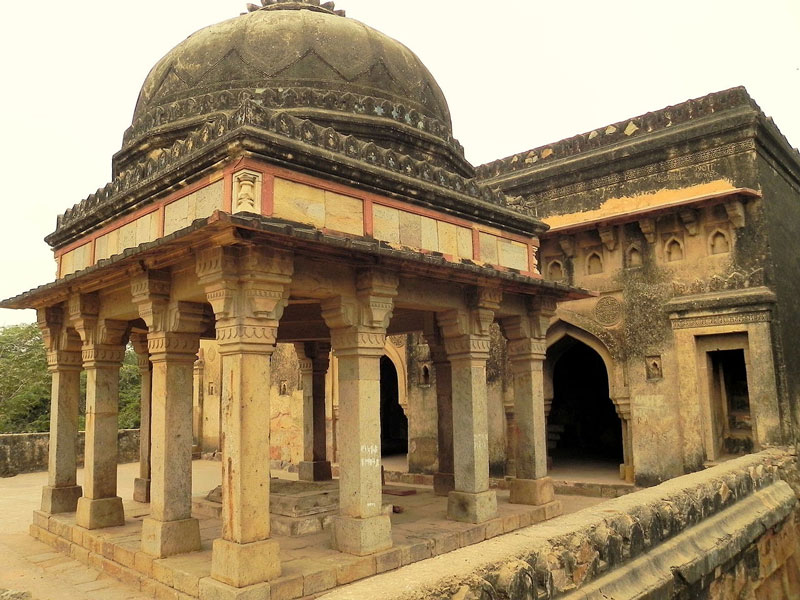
244	565
534	492
443	483
626	471
211	589
99	513
361	537
472	508
60	499
317	470
141	490
167	538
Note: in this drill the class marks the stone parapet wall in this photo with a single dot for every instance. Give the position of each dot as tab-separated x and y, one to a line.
28	452
728	532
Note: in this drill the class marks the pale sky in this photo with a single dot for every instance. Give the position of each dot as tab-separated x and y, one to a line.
516	76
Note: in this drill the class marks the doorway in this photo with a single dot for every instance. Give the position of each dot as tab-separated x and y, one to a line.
583	428
730	399
394	423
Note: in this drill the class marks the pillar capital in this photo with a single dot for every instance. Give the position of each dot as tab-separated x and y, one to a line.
248	288
139	342
465	334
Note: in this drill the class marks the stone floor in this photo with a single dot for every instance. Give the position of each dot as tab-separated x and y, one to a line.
310	566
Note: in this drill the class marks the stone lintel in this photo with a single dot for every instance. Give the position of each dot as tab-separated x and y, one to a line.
166	538
60	499
471	508
99	513
243	565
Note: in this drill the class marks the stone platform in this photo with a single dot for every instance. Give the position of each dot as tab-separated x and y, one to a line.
296	507
309	565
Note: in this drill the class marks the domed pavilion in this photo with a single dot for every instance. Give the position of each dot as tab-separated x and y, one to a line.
290	175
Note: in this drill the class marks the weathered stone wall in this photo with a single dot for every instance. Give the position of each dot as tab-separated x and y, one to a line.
727	532
28	452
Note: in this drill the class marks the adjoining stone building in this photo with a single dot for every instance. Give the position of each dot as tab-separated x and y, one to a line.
311	193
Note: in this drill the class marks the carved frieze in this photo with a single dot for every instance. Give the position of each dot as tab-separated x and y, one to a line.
720	320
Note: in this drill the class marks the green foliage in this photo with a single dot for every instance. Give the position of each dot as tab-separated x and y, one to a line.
25	383
24	380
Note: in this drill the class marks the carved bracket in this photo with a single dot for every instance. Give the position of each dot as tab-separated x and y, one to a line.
648	227
689	219
567	243
608	235
736	214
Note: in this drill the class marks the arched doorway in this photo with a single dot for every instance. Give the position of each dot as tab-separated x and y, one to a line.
583	426
394	423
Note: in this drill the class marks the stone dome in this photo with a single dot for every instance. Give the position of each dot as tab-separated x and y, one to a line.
305	59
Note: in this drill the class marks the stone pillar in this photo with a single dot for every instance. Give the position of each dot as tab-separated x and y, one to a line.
358	336
141	485
198	400
314	361
443	479
103	351
466	337
248	289
526	355
173	339
64	363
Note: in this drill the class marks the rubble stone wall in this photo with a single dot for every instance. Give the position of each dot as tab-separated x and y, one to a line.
28	452
728	532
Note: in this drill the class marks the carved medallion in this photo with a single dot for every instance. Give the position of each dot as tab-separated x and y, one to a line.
398	341
608	311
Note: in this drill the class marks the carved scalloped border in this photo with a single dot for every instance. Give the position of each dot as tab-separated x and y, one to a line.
291	97
251	114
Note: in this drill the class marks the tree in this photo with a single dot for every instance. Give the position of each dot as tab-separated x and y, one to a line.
24	380
25	383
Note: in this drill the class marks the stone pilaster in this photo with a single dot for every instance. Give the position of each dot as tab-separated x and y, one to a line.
443	479
526	355
314	361
466	340
64	363
173	339
248	289
102	352
358	335
141	485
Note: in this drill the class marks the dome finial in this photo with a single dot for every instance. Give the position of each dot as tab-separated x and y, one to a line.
327	7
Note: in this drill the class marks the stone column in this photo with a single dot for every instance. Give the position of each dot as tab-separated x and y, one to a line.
466	337
198	402
141	485
314	361
526	355
173	339
358	336
248	289
443	479
103	351
64	363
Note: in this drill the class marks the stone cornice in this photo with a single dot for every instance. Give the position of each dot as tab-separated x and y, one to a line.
611	135
301	145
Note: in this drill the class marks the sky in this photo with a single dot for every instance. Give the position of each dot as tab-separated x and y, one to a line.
517	74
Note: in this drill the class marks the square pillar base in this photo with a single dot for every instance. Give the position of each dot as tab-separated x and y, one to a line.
361	537
141	490
99	513
534	492
443	483
317	470
211	589
472	508
60	499
167	538
244	565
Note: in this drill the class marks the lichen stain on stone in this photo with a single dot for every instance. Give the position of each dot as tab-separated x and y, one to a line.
614	207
